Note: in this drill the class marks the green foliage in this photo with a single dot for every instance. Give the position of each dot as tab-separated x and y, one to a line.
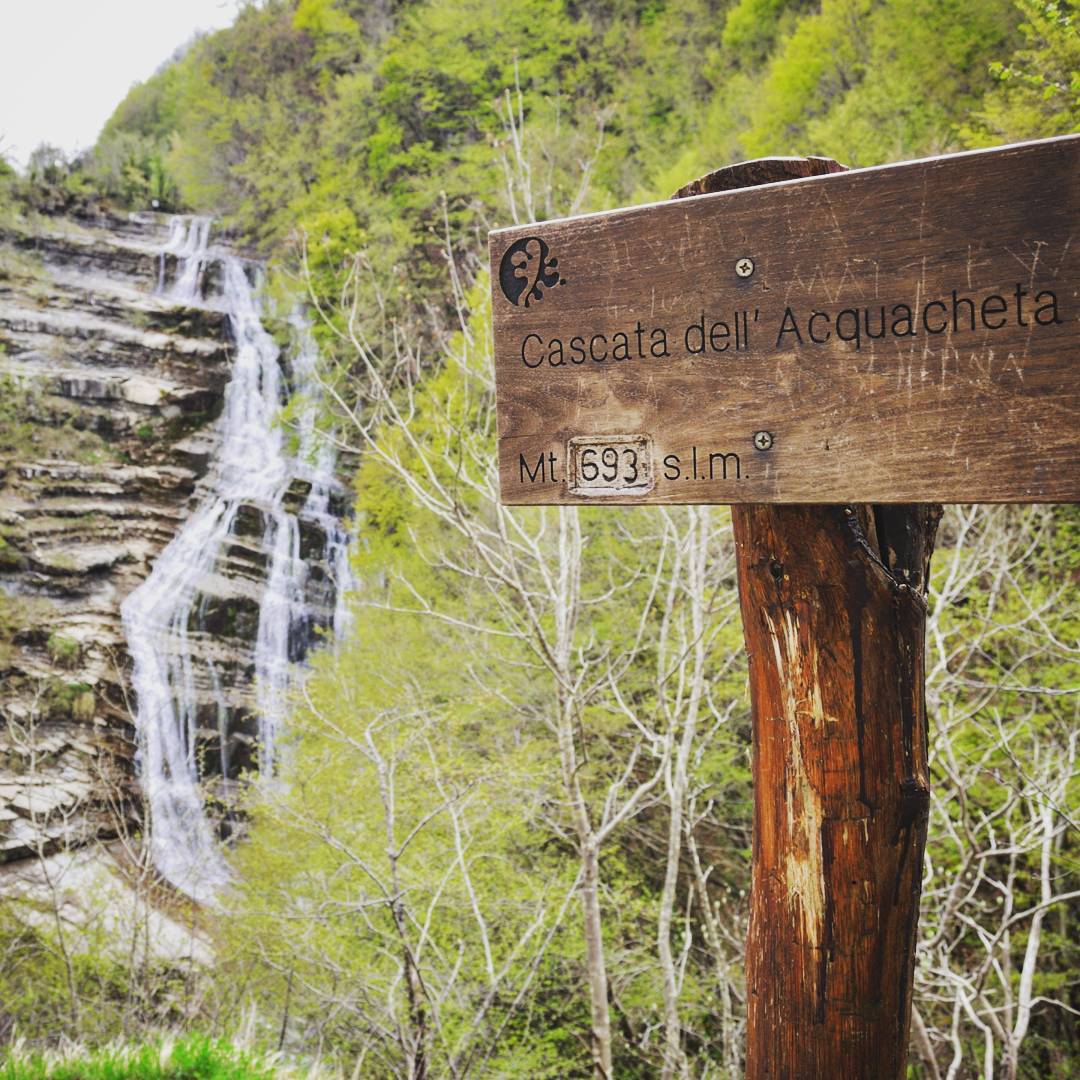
434	721
9	558
752	27
131	169
20	616
389	133
43	997
68	700
53	183
63	651
1038	90
866	81
15	426
34	426
8	188
1000	703
193	1057
401	130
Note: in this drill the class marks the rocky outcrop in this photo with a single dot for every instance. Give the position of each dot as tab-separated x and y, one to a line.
109	394
109	397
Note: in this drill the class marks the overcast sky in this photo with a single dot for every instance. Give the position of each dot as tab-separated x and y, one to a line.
66	64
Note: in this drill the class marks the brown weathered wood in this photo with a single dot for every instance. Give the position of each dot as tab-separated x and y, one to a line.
835	639
990	413
834	612
759	171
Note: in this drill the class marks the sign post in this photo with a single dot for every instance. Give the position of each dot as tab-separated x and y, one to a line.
833	602
834	353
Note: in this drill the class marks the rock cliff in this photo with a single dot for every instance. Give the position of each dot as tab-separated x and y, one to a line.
111	394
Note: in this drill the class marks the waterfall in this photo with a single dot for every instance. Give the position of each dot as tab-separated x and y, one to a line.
320	452
172	669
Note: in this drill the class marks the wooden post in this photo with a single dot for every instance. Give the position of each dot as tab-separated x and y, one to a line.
694	352
834	613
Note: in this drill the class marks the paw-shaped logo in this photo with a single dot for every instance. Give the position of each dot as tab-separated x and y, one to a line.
526	270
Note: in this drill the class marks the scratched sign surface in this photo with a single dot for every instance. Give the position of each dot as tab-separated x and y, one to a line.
908	333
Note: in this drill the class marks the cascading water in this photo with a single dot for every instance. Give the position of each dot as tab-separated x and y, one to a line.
173	669
319	453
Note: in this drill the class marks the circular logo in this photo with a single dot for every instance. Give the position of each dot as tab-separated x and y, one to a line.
526	270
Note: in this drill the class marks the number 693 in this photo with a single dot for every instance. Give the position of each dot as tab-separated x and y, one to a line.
609	464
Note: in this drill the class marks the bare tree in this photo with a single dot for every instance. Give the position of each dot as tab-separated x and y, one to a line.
1004	756
700	602
529	566
87	889
401	882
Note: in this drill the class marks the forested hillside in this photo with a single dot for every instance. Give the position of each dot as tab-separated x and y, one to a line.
511	833
374	126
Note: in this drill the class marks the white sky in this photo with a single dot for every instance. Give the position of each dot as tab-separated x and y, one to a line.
66	64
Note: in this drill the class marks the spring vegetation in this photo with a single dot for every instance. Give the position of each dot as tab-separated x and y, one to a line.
512	836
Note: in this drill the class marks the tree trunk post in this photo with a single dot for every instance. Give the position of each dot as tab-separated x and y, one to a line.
833	605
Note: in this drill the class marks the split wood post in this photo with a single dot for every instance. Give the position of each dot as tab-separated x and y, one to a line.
833	604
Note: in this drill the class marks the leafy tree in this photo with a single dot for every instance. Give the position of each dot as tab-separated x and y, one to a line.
1038	89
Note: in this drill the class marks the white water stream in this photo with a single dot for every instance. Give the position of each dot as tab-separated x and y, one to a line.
173	672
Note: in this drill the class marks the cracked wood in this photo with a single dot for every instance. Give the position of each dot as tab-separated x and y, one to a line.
834	630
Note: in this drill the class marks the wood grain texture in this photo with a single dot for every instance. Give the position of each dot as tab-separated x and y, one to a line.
983	413
833	605
759	171
835	638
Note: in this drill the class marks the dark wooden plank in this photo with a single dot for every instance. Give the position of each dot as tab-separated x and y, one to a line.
932	411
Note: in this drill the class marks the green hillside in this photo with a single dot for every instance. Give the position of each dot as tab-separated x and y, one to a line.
388	127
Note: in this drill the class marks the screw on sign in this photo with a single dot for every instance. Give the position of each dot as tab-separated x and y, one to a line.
918	348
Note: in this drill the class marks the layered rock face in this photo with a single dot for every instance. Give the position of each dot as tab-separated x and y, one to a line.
111	427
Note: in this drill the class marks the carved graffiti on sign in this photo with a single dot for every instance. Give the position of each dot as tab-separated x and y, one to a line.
902	334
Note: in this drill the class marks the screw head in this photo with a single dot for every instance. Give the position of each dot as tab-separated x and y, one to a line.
744	267
763	440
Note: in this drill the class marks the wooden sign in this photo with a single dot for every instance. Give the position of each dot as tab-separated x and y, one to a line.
909	333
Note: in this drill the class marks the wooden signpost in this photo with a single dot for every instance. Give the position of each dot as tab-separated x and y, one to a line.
834	353
899	334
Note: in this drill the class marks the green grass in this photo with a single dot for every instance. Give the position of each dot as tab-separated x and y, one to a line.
193	1057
